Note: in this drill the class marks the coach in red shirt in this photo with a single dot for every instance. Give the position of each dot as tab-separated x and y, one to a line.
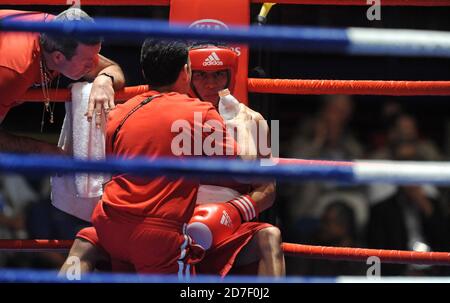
28	59
141	220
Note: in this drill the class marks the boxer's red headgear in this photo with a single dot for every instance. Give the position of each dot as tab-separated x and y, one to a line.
214	58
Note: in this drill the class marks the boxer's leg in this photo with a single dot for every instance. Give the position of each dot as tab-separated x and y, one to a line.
86	253
265	247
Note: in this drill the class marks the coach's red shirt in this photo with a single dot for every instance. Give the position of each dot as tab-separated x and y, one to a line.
20	54
150	132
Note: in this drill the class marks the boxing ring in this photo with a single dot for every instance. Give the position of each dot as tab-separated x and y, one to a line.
348	41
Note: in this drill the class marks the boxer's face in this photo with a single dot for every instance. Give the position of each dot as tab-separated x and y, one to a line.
85	60
208	84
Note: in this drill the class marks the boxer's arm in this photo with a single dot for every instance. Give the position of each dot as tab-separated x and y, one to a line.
263	195
240	134
213	123
227	146
248	127
253	203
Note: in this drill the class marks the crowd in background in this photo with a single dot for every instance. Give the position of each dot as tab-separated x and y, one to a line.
380	216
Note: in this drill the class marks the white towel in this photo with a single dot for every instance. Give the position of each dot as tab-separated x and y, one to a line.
78	194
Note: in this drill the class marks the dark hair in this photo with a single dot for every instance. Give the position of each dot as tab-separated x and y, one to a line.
68	44
206	43
162	61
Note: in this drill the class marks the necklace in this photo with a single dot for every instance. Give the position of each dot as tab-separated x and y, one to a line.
45	81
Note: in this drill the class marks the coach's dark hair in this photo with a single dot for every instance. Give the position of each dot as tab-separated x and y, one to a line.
162	61
67	44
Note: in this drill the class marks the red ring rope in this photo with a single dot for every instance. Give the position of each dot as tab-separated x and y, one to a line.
62	95
349	87
290	249
286	86
362	254
34	245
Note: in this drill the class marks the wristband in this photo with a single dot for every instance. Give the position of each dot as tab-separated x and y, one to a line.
246	207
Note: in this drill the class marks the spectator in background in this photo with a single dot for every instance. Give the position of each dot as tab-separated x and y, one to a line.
337	227
26	213
406	217
326	136
404	128
17	195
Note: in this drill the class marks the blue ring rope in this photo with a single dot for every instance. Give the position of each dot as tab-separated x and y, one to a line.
204	168
198	166
269	37
48	276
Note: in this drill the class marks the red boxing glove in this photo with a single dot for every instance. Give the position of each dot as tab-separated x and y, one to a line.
246	207
211	223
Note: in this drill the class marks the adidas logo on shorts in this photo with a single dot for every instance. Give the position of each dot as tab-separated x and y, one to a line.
212	59
226	220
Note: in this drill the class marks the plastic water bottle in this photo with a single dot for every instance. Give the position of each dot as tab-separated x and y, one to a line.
228	105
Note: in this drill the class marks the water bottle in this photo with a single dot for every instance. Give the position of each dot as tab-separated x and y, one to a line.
228	105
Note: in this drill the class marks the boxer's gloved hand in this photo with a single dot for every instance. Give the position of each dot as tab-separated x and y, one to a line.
211	223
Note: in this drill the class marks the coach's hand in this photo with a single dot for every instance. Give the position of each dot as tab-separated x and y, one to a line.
101	99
